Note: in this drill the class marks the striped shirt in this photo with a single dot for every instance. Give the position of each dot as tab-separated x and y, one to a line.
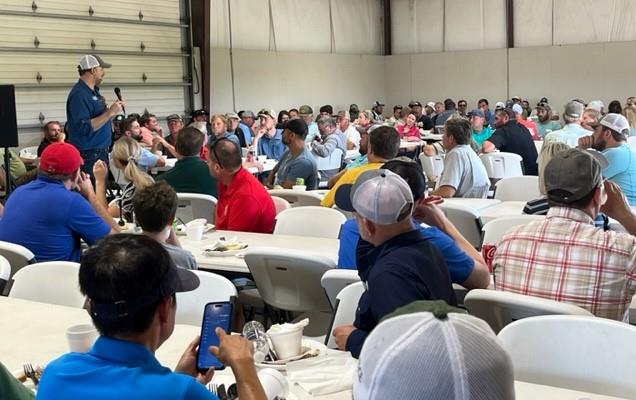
565	258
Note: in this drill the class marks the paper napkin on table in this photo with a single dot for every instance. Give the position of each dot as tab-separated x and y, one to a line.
323	375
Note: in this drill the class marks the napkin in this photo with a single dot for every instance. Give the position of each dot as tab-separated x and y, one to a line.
323	375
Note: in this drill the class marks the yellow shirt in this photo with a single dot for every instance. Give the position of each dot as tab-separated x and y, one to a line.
349	177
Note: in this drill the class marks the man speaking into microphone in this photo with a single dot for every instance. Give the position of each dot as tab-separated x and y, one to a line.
88	118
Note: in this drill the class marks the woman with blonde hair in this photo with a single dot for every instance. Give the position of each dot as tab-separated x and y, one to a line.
630	113
125	155
219	129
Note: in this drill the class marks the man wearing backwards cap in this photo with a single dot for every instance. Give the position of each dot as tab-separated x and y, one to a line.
88	118
395	262
572	131
544	121
610	138
297	162
130	283
564	257
48	216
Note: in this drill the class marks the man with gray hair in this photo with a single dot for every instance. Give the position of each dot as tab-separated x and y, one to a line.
330	139
572	131
610	138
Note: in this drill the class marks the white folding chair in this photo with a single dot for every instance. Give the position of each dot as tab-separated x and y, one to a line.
290	280
212	288
345	310
495	230
5	272
334	280
517	188
309	221
53	282
18	256
280	204
581	353
195	205
501	164
298	198
466	220
432	165
499	308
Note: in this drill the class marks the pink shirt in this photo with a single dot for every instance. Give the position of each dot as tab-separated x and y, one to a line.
405	131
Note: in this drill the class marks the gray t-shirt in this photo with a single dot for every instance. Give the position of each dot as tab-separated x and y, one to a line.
181	257
465	172
302	166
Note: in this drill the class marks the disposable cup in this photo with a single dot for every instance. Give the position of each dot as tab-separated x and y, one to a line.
195	231
261	158
287	344
299	187
274	383
81	337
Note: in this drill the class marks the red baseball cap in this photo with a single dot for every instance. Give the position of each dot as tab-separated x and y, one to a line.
60	159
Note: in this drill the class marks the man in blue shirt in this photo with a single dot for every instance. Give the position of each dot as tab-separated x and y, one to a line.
47	215
130	283
88	119
465	264
297	162
269	139
610	138
395	262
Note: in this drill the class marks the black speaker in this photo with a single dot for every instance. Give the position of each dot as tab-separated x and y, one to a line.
8	121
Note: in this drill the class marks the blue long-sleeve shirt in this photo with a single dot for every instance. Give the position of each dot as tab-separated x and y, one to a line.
82	105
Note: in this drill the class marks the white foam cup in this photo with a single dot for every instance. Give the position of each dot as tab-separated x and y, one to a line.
274	383
195	231
287	343
81	337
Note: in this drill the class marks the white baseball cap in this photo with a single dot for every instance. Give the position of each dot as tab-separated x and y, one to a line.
516	108
440	354
431	104
596	105
615	122
90	61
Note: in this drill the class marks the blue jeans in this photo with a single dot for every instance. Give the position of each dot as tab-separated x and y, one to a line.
90	156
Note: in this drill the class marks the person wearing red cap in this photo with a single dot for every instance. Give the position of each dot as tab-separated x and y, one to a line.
48	216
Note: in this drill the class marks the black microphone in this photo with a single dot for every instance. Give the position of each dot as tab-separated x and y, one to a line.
118	94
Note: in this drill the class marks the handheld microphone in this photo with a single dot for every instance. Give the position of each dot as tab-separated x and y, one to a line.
118	94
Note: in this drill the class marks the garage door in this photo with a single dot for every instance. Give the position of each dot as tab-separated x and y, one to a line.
42	41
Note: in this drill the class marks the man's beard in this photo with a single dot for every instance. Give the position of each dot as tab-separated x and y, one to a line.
599	145
544	119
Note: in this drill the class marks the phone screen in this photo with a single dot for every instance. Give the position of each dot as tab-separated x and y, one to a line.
214	315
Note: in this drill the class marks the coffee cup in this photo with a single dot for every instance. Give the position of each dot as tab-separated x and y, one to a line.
299	187
287	342
274	383
194	231
81	337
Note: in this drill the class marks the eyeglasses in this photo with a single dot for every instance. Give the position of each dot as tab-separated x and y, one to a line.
213	148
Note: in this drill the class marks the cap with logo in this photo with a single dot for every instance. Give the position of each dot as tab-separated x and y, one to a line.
379	196
60	159
429	350
378	103
477	113
572	174
305	110
232	115
414	103
174	117
573	109
90	61
199	112
545	106
267	113
615	122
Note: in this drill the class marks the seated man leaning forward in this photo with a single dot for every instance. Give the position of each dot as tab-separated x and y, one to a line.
396	263
564	257
297	162
51	214
130	283
244	204
464	174
155	208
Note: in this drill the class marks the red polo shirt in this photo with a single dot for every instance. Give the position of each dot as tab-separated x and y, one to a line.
245	205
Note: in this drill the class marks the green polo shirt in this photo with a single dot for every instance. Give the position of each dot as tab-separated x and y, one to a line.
190	175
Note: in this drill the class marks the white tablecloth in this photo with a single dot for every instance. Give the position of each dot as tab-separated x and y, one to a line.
503	209
476	204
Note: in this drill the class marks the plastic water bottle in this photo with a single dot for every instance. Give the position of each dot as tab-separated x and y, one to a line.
254	331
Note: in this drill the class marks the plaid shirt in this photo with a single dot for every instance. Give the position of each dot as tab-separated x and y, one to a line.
565	258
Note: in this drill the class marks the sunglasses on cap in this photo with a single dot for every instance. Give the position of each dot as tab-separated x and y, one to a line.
213	148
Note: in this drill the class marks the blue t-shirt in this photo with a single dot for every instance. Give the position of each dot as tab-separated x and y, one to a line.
460	265
302	166
82	105
272	147
621	169
116	369
147	159
49	220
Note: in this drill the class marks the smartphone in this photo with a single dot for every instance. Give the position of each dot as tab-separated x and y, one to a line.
214	315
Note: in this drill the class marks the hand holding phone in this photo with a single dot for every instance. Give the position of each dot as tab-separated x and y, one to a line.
215	315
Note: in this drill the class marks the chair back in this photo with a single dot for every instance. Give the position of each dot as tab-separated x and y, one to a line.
501	164
495	230
432	165
499	308
118	174
310	221
332	161
53	282
195	205
18	256
289	279
212	288
298	198
5	272
539	145
280	204
517	188
581	353
334	280
466	220
345	310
